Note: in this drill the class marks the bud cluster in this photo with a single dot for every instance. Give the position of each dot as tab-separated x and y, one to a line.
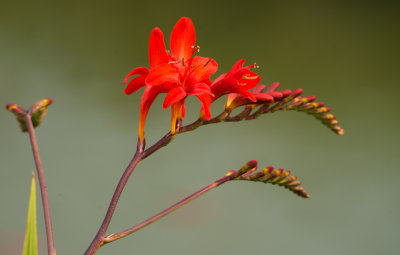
316	109
37	112
269	100
269	174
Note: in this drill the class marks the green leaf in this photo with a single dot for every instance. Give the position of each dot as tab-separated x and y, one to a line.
30	243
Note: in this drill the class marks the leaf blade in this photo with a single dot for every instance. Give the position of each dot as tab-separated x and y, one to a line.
30	243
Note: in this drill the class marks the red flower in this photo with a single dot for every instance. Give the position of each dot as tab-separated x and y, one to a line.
177	73
238	80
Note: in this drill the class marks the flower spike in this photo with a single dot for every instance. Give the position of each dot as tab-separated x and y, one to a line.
269	174
179	74
272	100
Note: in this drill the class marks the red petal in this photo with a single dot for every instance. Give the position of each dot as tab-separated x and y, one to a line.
143	71
183	39
200	88
134	85
234	100
205	104
183	110
164	73
248	94
157	53
149	94
223	86
250	82
173	96
203	92
202	70
236	67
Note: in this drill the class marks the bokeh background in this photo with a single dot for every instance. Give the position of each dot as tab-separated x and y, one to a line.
78	52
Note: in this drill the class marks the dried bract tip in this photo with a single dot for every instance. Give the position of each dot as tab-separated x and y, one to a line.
19	113
323	109
231	172
38	110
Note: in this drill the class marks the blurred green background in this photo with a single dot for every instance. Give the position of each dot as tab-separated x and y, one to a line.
78	52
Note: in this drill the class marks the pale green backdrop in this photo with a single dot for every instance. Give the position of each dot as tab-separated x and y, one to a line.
78	52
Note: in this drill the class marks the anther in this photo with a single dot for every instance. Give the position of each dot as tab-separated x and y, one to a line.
196	48
254	65
207	62
175	62
248	77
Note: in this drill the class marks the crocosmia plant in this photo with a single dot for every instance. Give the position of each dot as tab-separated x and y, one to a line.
179	72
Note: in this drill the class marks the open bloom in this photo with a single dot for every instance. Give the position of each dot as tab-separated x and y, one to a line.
176	73
180	74
238	80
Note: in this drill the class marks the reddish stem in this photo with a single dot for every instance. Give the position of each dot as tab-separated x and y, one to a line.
141	154
42	183
114	237
99	238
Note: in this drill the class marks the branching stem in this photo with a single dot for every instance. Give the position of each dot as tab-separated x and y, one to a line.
114	237
141	154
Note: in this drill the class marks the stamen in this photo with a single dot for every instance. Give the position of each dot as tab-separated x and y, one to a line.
248	77
254	65
196	48
183	61
175	62
209	60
